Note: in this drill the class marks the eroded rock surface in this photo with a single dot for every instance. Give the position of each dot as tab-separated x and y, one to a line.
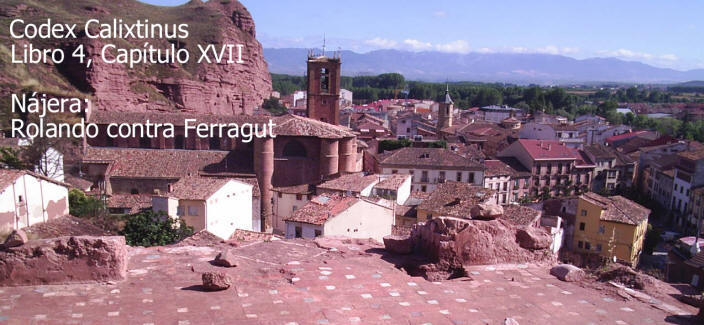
16	238
216	281
64	260
567	272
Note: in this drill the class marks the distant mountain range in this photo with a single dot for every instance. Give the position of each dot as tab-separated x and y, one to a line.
492	67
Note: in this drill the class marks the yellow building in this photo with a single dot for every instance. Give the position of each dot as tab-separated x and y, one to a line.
611	227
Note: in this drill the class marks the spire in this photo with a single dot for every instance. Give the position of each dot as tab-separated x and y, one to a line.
448	99
323	44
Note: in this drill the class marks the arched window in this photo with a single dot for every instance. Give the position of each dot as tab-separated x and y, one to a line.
294	149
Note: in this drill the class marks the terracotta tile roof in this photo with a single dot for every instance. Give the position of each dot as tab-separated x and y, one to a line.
135	202
582	160
693	154
455	199
77	182
520	215
154	163
292	125
321	208
517	168
626	135
547	149
435	158
697	261
362	144
600	151
297	189
196	188
392	182
618	208
9	176
351	182
497	168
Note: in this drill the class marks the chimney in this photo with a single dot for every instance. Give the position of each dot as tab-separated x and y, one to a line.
170	188
549	146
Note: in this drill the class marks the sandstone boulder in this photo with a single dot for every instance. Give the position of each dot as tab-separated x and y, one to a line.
226	258
16	238
64	260
456	242
533	238
567	272
216	281
398	244
486	211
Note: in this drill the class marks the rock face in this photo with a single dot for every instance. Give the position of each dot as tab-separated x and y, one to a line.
533	238
567	272
398	244
226	258
16	238
64	260
216	281
474	242
486	211
209	88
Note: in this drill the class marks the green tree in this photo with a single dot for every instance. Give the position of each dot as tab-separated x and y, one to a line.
9	159
150	228
85	206
273	105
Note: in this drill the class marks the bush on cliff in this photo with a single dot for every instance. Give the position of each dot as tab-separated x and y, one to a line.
149	228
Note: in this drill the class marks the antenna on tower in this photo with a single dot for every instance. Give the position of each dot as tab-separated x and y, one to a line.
323	44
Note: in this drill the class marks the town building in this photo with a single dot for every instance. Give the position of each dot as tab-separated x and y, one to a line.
445	111
323	97
685	265
336	215
304	152
217	205
612	227
396	188
430	167
28	198
410	125
554	167
287	200
356	185
496	114
498	177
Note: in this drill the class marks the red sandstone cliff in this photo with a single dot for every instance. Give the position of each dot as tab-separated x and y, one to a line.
224	89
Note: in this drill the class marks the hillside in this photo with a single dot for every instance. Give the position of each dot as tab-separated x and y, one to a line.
201	88
489	67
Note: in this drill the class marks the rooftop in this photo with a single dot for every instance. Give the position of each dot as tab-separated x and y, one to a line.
321	208
392	182
350	182
455	199
197	188
287	281
134	202
436	158
9	176
599	151
547	149
497	168
618	208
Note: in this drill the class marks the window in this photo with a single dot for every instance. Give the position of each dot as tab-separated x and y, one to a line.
602	229
180	210
584	212
280	195
299	232
19	198
193	211
294	149
394	171
134	191
423	188
180	142
587	246
428	216
598	247
581	226
470	179
324	80
318	233
298	197
580	244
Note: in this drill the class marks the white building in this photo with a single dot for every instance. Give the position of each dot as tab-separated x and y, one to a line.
218	205
335	215
432	166
394	187
27	198
346	97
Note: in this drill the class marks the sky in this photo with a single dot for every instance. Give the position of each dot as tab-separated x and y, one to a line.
657	32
